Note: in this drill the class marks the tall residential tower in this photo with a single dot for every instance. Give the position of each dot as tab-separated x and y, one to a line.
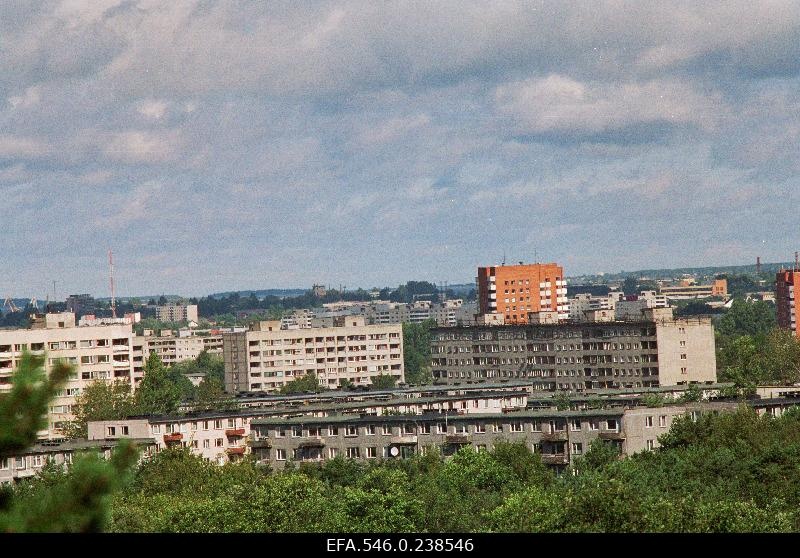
514	291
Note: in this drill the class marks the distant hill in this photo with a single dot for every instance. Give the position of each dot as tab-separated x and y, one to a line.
261	293
666	273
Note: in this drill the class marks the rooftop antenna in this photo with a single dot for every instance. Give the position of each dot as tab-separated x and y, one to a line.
504	257
111	280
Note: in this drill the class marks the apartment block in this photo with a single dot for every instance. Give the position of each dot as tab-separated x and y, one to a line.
582	303
173	312
655	350
29	462
266	357
787	293
174	348
688	291
515	291
102	353
558	436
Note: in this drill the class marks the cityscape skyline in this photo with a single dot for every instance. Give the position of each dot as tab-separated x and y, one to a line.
221	146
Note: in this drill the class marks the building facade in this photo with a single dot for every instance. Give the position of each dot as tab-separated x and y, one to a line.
173	312
656	350
515	291
266	357
787	293
103	353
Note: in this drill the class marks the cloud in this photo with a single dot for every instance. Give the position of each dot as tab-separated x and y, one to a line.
142	146
558	104
16	147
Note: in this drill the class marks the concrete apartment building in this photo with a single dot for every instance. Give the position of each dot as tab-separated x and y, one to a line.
787	293
515	291
689	291
98	353
582	303
28	463
173	312
379	312
655	350
267	357
221	436
558	436
631	306
175	348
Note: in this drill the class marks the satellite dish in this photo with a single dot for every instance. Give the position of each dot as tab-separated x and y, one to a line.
394	451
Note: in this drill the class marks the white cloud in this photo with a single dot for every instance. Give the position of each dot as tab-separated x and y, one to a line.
560	104
153	109
141	146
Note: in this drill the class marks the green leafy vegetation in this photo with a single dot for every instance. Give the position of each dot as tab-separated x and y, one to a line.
58	499
417	352
308	383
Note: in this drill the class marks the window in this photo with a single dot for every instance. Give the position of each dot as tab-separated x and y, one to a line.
662	421
409	429
611	424
111	431
386	430
480	428
516	427
648	422
3	463
461	429
351	430
333	452
372	452
426	428
206	444
333	431
37	460
577	448
575	425
497	427
537	426
21	463
205	425
370	430
683	357
280	433
297	431
217	424
124	430
481	447
280	454
352	453
219	442
651	444
68	458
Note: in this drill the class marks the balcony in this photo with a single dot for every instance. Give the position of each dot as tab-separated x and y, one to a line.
557	436
555	459
261	444
401	440
174	437
235	451
611	435
234	432
315	442
457	439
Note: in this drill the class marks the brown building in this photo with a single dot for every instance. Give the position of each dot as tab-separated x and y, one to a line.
514	291
787	291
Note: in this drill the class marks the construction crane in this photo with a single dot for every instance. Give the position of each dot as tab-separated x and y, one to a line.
10	305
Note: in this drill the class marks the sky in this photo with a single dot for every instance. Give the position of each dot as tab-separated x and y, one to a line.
218	146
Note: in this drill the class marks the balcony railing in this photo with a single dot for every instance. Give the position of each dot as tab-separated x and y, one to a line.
315	442
555	459
234	432
261	443
557	436
174	437
407	439
235	451
612	435
458	439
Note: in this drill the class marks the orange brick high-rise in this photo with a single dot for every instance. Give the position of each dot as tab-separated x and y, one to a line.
515	290
787	293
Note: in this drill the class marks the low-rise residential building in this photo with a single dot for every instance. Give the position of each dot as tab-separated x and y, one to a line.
558	436
175	348
689	291
655	350
267	357
29	462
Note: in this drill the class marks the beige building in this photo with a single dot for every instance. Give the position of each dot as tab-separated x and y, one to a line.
173	312
267	357
172	349
103	353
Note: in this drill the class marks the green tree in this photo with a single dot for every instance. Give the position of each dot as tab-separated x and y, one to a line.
309	382
417	352
383	381
601	454
157	394
100	401
73	501
211	394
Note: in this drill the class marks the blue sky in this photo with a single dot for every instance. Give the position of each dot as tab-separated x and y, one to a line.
222	145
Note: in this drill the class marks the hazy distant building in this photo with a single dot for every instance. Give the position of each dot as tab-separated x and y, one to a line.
172	312
687	291
787	292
